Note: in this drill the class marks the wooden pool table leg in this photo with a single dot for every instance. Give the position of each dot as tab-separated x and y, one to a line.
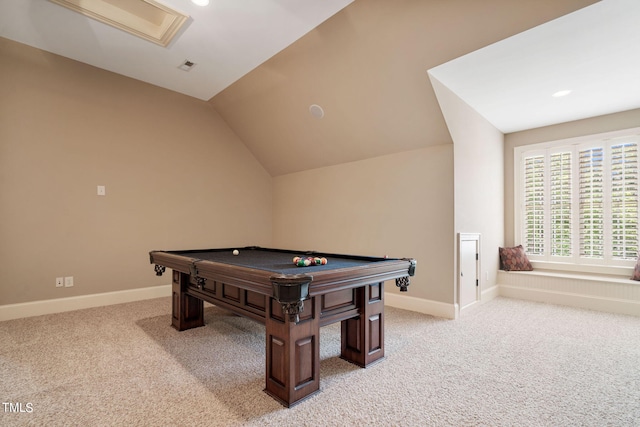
292	352
187	311
363	336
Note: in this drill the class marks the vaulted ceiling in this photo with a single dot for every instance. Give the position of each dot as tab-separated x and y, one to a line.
365	64
592	55
367	67
225	39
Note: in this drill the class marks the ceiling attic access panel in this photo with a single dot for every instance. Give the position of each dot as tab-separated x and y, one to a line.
147	19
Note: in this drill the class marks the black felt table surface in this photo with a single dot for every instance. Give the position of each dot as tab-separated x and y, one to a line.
276	261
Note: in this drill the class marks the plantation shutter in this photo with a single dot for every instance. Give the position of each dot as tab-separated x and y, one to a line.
624	200
534	204
560	203
591	196
578	203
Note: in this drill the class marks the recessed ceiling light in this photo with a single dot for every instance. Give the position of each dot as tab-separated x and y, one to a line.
561	93
200	2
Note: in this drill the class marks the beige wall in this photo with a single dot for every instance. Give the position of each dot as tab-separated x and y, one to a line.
479	179
594	125
399	205
176	177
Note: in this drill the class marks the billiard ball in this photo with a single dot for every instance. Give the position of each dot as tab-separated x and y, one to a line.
235	252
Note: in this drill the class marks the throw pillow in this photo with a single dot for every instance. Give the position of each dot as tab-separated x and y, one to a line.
514	259
636	271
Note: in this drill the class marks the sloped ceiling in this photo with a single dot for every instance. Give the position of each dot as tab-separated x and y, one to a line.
593	52
365	62
367	68
225	39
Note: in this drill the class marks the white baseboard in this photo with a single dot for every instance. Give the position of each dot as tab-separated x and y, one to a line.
489	294
59	305
406	302
433	308
609	305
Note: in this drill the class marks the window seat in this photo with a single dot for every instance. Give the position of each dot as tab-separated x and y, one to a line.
603	292
597	277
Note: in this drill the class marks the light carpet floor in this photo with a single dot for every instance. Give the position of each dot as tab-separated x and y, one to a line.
507	363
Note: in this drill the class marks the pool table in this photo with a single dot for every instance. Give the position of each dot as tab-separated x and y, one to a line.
292	302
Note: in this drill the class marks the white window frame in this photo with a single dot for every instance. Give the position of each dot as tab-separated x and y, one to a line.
575	263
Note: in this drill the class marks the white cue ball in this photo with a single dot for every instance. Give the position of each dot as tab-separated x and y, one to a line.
235	252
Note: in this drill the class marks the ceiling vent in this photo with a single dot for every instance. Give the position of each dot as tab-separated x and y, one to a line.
147	19
186	65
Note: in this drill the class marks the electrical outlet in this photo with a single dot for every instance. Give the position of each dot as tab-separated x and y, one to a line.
68	281
59	282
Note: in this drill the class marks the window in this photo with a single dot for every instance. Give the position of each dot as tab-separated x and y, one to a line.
577	201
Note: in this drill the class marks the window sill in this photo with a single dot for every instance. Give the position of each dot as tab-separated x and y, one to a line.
595	277
584	269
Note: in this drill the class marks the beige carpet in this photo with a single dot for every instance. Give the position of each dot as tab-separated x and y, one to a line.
508	363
